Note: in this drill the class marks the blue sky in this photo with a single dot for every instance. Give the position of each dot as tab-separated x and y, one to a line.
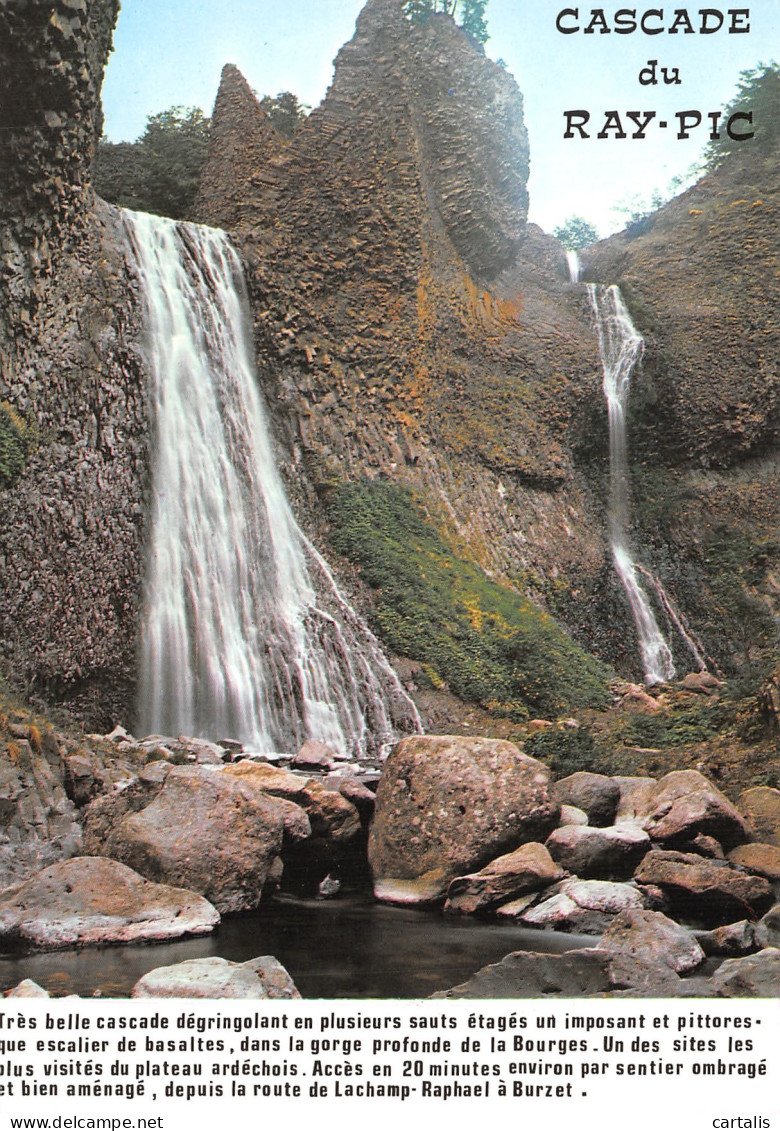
171	52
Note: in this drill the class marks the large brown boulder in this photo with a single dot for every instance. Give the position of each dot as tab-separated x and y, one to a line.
761	807
610	853
710	891
528	868
211	978
91	901
652	937
596	794
446	806
205	830
685	804
330	813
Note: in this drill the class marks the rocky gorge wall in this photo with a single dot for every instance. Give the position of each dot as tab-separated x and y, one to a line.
412	329
70	383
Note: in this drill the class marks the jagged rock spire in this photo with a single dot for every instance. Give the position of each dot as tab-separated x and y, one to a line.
243	142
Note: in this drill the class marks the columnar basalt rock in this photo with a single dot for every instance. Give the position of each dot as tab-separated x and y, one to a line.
70	541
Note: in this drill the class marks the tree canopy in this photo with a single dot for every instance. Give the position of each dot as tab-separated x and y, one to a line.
161	171
758	93
469	14
285	112
575	233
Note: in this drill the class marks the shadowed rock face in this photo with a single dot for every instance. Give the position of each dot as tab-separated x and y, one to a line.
70	540
52	58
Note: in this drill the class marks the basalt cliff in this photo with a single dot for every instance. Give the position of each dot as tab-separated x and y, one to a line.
420	346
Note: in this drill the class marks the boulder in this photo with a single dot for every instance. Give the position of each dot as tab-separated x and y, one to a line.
571	815
610	853
91	901
759	859
768	928
38	823
595	794
758	975
315	756
578	973
205	830
761	808
685	804
729	941
653	938
528	868
635	793
218	978
446	806
330	813
28	988
582	906
710	891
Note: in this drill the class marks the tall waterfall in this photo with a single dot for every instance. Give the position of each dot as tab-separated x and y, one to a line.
621	347
244	633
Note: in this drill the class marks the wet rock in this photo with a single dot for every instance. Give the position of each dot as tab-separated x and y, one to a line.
204	829
758	975
218	978
711	891
91	901
761	807
582	906
759	859
446	806
685	804
653	938
729	941
603	853
578	973
528	868
595	794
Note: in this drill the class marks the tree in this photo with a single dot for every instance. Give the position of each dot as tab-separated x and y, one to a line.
576	233
160	172
470	14
285	111
758	93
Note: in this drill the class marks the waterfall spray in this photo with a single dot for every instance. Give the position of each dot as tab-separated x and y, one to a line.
244	631
621	348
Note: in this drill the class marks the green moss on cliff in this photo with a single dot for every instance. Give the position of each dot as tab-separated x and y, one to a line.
18	439
491	646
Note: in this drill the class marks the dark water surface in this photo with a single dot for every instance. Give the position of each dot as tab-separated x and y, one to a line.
345	948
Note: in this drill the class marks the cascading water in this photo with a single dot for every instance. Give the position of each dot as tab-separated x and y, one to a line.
244	633
621	347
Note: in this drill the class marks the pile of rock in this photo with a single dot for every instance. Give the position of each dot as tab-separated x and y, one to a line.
478	826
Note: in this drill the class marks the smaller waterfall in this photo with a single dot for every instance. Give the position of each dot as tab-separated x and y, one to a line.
244	633
574	265
621	348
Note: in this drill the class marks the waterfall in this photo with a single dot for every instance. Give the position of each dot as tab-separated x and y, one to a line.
621	347
244	632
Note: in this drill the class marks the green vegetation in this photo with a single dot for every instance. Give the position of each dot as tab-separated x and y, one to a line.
285	112
565	750
490	645
160	172
758	93
470	14
575	233
18	440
